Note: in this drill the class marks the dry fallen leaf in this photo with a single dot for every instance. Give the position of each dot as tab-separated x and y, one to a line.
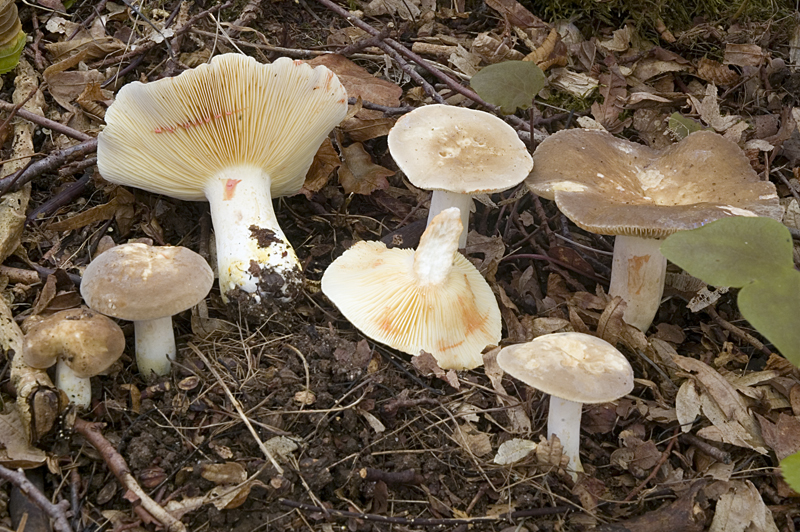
472	440
358	174
741	509
15	451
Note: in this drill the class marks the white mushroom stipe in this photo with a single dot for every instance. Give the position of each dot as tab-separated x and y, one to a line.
442	200
155	345
637	276
78	389
564	421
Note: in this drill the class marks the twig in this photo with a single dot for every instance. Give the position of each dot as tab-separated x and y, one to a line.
116	463
654	472
742	335
65	196
18	275
382	108
534	512
535	256
55	160
714	452
57	512
44	122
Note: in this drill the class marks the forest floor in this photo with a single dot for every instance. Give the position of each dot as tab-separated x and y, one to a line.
355	426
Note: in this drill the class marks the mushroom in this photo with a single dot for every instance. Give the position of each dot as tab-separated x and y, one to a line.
458	153
616	187
147	285
237	134
573	368
431	299
82	343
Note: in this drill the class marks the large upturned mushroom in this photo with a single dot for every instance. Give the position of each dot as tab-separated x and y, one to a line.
458	153
612	186
237	134
431	298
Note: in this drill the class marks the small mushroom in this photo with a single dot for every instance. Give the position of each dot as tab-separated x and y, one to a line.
82	343
147	285
431	299
237	134
573	368
458	153
612	186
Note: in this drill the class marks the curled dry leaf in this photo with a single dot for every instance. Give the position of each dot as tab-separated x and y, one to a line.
709	111
493	50
716	73
513	451
358	174
472	440
740	508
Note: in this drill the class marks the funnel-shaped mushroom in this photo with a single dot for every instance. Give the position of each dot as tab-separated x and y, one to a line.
82	343
612	186
458	153
237	133
431	299
147	285
573	368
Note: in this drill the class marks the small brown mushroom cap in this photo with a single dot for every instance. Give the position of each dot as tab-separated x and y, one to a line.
612	186
174	135
140	282
573	366
443	147
85	340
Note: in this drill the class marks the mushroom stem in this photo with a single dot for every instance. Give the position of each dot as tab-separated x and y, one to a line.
564	421
442	199
433	258
253	255
155	345
637	276
78	389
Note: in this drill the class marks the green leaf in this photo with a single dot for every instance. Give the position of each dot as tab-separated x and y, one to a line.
772	306
732	251
790	467
682	126
511	85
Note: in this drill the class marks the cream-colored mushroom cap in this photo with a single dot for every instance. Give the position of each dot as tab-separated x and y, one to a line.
443	147
612	186
430	299
140	282
173	135
573	366
86	341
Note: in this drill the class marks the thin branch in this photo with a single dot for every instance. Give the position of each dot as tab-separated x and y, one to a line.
50	163
116	463
44	122
56	512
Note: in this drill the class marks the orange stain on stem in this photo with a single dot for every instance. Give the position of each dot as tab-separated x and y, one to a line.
230	188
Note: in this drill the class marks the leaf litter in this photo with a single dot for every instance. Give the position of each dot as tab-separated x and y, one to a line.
473	440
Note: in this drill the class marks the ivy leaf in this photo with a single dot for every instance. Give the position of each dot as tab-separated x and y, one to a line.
790	467
732	251
511	85
772	305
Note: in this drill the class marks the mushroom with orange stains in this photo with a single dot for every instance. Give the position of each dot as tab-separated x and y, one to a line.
612	186
235	133
430	299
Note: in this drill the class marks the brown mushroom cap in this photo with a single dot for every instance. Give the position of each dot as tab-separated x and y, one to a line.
612	186
443	147
140	282
86	341
573	366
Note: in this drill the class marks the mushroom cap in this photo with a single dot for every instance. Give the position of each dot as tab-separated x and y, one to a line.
449	312
85	340
172	135
139	282
612	186
573	366
443	147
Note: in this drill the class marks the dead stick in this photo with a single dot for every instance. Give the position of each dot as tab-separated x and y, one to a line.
116	463
714	452
18	275
728	326
654	472
44	122
57	512
55	160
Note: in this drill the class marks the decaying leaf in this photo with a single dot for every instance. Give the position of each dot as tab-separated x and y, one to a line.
358	174
227	473
427	365
15	448
613	88
709	111
493	50
716	73
472	440
741	509
520	422
514	450
744	55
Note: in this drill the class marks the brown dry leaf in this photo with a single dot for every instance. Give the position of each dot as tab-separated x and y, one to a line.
465	61
95	214
741	509
427	365
358	174
550	453
619	42
227	473
90	47
716	73
575	83
520	422
405	9
517	15
651	67
325	162
709	111
552	52
493	50
744	55
613	88
613	329
782	437
491	247
222	497
95	100
687	405
475	442
724	407
15	449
